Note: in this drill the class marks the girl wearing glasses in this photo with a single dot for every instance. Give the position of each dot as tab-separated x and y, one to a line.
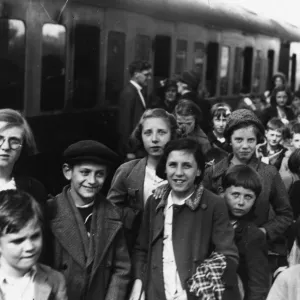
17	142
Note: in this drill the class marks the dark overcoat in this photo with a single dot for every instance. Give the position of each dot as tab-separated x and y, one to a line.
95	268
200	226
272	209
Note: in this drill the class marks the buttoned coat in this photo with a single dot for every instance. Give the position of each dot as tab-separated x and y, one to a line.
131	110
96	267
272	208
127	192
200	226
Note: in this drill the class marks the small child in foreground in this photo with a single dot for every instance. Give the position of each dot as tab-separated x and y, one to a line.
21	276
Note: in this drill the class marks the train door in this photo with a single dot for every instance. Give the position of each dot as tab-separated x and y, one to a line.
284	59
293	71
247	74
270	68
212	68
162	59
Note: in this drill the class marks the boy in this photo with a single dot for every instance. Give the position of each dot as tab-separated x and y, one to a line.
272	153
242	186
21	277
88	243
295	144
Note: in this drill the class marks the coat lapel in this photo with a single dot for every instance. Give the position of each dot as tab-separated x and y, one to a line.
65	228
42	289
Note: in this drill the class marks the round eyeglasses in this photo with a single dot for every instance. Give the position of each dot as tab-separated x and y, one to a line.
13	143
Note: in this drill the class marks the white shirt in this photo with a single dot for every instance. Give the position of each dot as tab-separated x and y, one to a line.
139	89
151	182
172	282
11	185
17	288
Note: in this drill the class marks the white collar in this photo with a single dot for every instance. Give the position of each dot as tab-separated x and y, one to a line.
170	201
136	85
12	280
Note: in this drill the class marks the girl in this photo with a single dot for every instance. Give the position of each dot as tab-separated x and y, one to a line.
188	116
169	249
134	181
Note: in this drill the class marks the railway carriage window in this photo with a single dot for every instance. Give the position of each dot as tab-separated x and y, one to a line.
115	66
86	65
53	67
247	75
142	47
270	68
224	70
238	67
212	68
181	56
12	62
257	72
199	55
293	71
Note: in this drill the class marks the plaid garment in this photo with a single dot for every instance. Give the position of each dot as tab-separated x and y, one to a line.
207	282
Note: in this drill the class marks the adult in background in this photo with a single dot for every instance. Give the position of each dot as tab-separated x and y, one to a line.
132	103
278	81
273	214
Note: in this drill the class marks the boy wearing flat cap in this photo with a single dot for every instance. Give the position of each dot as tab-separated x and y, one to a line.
86	238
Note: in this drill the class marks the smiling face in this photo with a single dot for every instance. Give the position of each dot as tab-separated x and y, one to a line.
87	179
181	171
20	251
156	133
239	200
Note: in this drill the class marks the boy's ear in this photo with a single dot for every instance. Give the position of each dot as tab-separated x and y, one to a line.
67	171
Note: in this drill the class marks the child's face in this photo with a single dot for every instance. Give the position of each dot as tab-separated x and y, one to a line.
187	123
239	200
20	251
296	140
219	124
281	98
87	179
274	137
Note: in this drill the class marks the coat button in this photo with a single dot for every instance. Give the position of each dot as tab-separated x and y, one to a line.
204	206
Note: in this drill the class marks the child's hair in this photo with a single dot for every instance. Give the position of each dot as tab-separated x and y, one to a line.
295	129
17	208
294	161
214	155
219	110
281	89
188	108
244	176
136	136
275	124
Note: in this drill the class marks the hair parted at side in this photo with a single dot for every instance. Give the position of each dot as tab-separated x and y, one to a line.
243	176
17	208
138	66
283	88
220	110
275	124
14	118
136	136
187	108
184	144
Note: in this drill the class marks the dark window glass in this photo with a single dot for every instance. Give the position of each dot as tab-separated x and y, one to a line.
86	65
199	56
142	47
257	72
271	54
212	68
53	67
224	70
181	56
247	75
12	62
237	73
115	66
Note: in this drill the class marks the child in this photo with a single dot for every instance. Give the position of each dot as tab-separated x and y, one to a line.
88	243
242	186
220	112
295	144
21	277
273	152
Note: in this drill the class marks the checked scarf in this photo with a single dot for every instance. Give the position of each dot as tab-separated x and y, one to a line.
207	282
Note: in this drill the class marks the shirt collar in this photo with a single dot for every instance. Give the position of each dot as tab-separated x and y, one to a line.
4	278
136	85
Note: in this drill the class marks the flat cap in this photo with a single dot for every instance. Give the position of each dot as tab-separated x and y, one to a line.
90	150
242	116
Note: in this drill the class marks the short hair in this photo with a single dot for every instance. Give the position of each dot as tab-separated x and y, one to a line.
14	118
275	124
185	144
136	136
295	129
244	176
17	208
138	66
281	89
187	108
220	110
294	161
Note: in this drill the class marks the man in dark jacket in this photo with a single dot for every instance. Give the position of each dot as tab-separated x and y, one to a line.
132	102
